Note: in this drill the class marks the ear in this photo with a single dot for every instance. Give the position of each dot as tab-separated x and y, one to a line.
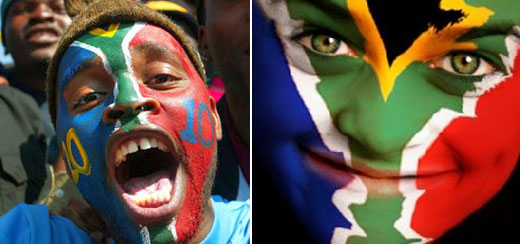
203	45
216	117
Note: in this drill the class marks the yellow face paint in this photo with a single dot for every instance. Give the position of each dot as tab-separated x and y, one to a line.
75	168
112	28
430	44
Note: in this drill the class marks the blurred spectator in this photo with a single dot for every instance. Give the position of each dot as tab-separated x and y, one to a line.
224	41
22	149
31	30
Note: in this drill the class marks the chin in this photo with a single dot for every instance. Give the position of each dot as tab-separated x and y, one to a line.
43	54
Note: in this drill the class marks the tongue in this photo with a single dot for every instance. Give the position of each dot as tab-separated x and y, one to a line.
150	191
158	181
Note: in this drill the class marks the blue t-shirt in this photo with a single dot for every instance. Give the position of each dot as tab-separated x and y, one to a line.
33	224
232	222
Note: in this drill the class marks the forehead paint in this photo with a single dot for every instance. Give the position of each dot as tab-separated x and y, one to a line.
113	42
387	133
431	43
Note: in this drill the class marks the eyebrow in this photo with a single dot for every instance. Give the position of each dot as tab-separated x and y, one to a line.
502	28
86	65
156	52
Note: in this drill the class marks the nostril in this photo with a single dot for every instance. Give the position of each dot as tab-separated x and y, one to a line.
115	114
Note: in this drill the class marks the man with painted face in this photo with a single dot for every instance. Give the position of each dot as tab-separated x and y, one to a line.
383	125
138	130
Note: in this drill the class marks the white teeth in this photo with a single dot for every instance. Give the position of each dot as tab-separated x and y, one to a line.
161	146
124	150
153	143
145	144
132	147
119	156
136	145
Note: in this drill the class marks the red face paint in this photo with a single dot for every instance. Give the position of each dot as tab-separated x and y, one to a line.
486	150
175	115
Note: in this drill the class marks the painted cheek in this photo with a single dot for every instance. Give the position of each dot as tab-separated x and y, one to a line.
186	116
485	147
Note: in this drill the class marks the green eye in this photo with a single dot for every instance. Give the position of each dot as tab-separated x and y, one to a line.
325	44
464	63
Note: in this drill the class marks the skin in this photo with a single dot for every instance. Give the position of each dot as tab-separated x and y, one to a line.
360	136
225	38
33	30
104	101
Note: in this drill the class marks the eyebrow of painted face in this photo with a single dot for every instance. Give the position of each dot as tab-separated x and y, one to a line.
153	51
502	29
87	64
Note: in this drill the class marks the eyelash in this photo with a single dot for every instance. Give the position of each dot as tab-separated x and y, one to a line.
82	102
171	80
339	46
447	63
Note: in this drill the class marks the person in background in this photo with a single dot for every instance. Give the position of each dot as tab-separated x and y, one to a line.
224	41
22	149
30	33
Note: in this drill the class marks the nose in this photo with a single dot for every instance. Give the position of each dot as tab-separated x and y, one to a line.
379	132
42	12
128	110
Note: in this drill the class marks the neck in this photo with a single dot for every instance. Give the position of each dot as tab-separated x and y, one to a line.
239	113
33	77
205	224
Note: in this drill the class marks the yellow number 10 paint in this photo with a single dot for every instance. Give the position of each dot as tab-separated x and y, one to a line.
74	167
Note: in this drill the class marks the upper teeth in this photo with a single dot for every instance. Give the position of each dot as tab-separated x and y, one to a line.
138	144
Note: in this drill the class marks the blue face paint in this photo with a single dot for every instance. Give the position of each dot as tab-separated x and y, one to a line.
92	135
282	121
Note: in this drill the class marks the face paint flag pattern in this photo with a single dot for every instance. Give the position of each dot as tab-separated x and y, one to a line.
386	112
83	136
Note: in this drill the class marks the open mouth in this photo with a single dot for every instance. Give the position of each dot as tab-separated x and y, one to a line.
148	175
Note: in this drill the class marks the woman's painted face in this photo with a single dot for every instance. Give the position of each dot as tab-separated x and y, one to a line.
385	125
137	129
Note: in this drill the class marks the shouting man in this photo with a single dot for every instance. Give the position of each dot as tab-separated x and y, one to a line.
138	129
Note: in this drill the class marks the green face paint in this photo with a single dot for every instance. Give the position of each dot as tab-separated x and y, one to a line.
113	42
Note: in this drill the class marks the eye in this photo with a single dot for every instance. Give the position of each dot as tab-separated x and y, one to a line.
464	63
162	81
87	99
326	45
20	9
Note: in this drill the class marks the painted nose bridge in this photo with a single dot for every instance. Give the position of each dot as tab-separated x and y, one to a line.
376	132
128	102
128	90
